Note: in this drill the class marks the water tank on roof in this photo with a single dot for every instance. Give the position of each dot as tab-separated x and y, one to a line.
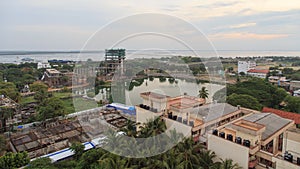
290	157
179	119
184	121
222	134
238	140
246	143
215	132
229	137
170	116
174	117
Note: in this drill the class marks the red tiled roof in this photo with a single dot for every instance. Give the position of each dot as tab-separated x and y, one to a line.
284	114
265	71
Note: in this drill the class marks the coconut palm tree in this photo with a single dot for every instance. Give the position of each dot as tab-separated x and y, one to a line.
203	93
188	155
152	128
207	160
129	129
228	164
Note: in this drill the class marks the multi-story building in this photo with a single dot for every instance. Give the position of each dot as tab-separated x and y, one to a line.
244	66
186	114
54	78
290	156
41	65
252	141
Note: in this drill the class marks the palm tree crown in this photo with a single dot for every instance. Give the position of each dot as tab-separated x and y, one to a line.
203	93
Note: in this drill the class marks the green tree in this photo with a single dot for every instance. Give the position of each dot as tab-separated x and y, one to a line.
50	108
41	163
38	86
5	113
203	93
228	164
2	145
129	129
9	89
41	91
152	128
292	104
242	73
244	101
14	160
78	149
90	159
207	160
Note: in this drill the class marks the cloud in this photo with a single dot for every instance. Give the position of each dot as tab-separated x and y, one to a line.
246	35
243	25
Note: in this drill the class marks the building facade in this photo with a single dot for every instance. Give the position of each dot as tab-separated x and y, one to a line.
255	139
260	73
244	66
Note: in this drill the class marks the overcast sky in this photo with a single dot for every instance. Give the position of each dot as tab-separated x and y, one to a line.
228	24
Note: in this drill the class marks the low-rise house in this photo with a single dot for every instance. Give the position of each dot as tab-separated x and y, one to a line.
296	93
260	73
280	81
295	85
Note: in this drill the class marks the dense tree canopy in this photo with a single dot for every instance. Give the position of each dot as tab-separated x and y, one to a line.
50	108
292	104
244	100
266	94
9	89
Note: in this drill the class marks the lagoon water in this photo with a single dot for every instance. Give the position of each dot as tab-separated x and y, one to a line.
171	89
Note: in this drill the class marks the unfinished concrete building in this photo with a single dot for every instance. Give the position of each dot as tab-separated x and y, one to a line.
52	137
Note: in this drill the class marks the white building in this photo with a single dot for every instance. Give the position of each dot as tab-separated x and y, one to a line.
258	73
41	65
244	66
255	141
295	85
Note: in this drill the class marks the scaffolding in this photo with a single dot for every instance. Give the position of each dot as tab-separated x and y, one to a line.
114	59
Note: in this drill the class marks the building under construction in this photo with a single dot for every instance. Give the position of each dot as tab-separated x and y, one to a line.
114	59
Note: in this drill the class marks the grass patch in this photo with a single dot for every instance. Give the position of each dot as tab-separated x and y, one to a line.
26	100
68	102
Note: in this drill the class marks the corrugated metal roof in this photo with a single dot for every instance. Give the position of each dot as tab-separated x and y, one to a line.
213	111
272	122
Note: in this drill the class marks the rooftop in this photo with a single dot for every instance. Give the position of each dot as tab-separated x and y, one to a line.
154	95
284	114
213	111
248	125
182	102
265	71
52	71
272	122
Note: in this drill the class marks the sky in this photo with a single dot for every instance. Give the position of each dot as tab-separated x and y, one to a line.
227	24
